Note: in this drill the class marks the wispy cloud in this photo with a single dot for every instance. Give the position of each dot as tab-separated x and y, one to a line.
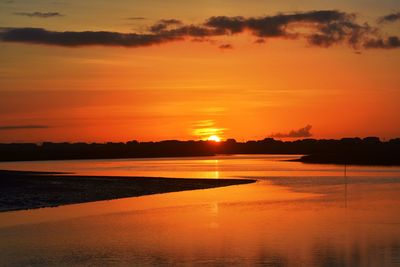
136	18
203	129
300	133
163	25
22	127
39	14
325	28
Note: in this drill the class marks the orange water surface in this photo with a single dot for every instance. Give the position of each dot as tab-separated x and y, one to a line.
294	215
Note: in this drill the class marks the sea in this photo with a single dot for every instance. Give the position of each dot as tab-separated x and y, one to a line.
296	214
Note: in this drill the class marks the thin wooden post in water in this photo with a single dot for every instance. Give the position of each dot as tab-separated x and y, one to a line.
345	185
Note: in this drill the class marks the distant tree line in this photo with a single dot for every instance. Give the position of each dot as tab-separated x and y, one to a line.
370	150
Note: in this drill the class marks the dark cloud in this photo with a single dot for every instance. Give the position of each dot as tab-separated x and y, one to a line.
226	46
300	133
171	21
388	43
277	26
320	28
22	127
39	14
73	39
325	28
260	41
390	18
179	32
347	32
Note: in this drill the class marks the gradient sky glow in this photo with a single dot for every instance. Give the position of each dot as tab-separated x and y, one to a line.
193	87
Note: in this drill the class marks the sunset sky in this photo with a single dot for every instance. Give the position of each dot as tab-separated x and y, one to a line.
120	70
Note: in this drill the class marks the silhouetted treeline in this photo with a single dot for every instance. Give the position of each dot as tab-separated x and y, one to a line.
132	149
347	150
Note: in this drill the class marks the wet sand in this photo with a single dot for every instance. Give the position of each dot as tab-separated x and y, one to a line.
28	190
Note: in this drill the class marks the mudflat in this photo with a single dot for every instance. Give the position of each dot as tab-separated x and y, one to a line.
28	190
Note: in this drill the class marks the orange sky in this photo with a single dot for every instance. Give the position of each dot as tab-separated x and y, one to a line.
189	90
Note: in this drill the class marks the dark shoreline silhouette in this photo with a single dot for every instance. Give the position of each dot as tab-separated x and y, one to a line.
352	159
28	190
366	151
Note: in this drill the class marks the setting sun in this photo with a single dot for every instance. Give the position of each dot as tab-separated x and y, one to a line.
214	138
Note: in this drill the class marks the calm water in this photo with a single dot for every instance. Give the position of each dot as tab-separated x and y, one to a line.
295	215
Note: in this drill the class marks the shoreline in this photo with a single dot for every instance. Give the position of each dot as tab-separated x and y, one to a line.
358	159
23	190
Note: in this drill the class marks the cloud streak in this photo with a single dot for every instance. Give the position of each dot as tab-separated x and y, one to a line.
390	18
164	24
22	127
226	46
86	38
300	133
323	28
136	18
43	15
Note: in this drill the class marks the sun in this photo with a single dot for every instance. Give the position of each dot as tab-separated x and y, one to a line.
214	138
